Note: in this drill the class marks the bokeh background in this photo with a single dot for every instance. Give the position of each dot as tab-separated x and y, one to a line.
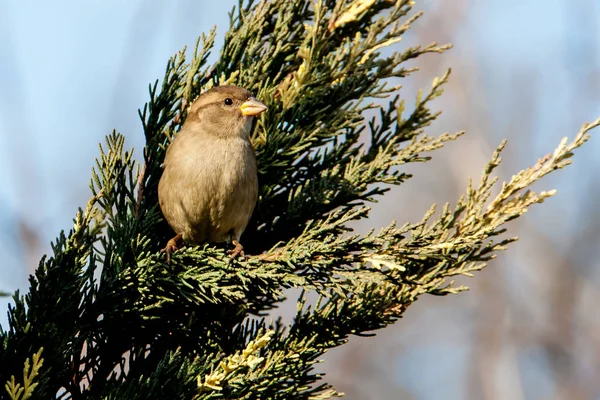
526	70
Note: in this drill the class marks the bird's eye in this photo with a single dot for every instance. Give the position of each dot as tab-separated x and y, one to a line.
228	102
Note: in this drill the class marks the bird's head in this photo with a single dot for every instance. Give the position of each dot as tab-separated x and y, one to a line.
224	111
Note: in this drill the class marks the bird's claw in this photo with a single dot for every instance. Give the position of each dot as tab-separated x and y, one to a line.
238	251
171	247
270	257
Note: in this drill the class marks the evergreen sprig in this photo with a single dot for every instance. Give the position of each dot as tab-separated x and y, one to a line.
117	322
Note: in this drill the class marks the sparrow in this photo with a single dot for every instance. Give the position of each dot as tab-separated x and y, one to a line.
209	185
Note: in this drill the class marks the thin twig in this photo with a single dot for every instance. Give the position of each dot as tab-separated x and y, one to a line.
140	193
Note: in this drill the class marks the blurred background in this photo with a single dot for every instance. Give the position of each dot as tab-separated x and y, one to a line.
526	70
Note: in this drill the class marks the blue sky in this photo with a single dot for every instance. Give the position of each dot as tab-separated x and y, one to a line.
70	73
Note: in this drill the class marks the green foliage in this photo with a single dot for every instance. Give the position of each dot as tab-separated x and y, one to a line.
117	322
30	372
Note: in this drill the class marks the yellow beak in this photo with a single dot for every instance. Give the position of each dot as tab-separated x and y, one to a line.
252	107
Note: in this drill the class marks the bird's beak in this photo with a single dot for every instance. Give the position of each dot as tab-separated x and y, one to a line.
252	107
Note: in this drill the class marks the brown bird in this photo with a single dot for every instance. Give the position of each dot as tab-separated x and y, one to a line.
209	185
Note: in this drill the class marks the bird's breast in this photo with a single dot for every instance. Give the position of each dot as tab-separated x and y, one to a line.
217	187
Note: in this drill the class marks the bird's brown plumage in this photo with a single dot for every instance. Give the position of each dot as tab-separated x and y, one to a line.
209	185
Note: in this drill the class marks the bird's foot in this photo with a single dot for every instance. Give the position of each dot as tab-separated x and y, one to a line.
238	251
270	257
172	246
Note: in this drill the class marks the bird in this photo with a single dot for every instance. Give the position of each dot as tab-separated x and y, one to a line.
209	185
